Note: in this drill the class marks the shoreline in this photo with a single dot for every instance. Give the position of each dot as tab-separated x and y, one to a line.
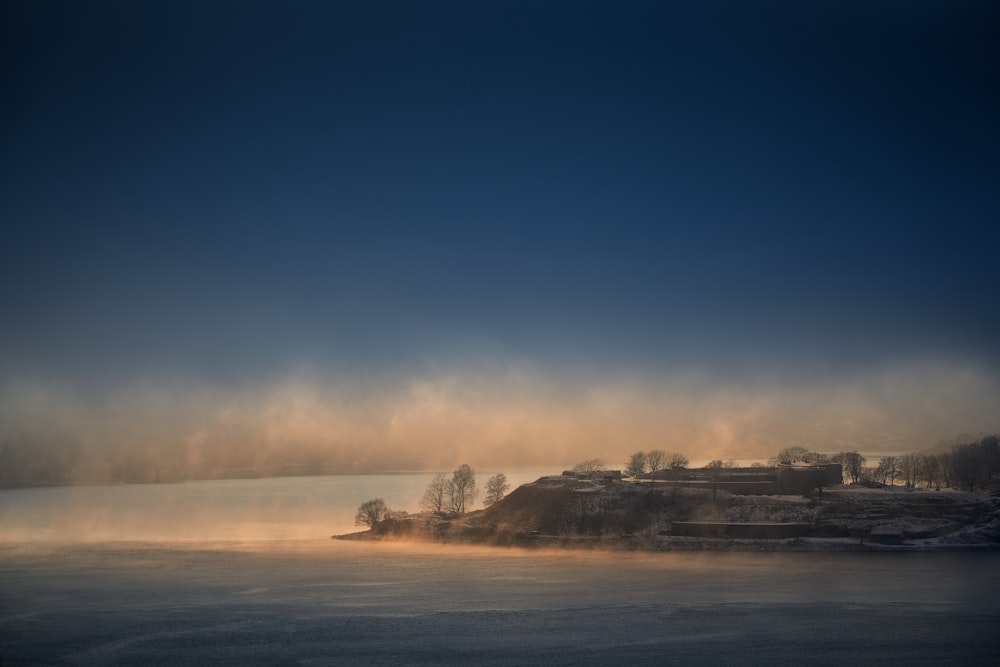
610	514
685	544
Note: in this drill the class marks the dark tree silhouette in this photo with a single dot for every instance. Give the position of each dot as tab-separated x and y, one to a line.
791	455
677	461
908	467
590	465
853	463
462	488
636	465
976	464
656	460
887	470
437	497
496	488
371	513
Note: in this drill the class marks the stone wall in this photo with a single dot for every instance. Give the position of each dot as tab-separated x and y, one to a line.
782	480
738	531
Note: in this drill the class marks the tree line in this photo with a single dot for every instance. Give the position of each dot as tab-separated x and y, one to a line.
653	461
970	466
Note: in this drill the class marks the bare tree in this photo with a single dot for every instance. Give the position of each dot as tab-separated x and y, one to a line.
815	458
967	465
887	470
853	463
929	470
436	497
496	489
656	460
869	475
590	465
462	488
636	465
791	455
371	513
677	461
946	463
974	464
908	467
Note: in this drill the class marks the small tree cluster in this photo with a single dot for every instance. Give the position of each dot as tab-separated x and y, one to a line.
970	466
886	471
588	466
976	464
793	455
451	494
654	461
636	465
852	463
371	513
437	497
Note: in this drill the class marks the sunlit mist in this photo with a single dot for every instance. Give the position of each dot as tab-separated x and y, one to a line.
498	417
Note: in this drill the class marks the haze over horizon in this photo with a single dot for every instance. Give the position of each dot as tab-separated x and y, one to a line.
376	235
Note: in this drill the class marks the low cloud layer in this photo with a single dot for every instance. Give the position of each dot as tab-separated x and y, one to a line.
488	417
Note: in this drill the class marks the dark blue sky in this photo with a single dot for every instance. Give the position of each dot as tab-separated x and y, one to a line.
235	191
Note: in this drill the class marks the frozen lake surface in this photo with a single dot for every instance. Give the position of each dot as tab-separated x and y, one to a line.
330	602
243	572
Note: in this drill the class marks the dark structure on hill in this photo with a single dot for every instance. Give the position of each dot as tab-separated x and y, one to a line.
603	476
681	510
781	480
740	531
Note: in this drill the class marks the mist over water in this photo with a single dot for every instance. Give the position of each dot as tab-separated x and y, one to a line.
500	416
238	509
244	572
330	602
356	243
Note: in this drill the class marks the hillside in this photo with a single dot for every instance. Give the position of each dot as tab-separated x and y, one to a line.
565	510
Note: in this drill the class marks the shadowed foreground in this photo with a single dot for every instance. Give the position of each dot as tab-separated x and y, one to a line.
363	603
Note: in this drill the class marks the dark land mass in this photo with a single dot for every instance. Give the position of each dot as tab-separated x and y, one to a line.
659	515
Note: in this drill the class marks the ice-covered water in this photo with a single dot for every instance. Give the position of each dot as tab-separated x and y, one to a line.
330	602
257	597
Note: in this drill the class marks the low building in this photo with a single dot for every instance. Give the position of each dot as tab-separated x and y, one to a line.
797	480
604	476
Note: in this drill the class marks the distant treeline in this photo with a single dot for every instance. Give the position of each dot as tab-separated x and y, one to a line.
973	466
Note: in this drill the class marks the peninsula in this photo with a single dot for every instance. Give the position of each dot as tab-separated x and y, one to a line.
785	508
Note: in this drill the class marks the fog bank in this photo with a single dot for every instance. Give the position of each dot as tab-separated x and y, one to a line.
57	433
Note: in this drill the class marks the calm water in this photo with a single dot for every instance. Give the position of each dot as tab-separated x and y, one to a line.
242	598
259	509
